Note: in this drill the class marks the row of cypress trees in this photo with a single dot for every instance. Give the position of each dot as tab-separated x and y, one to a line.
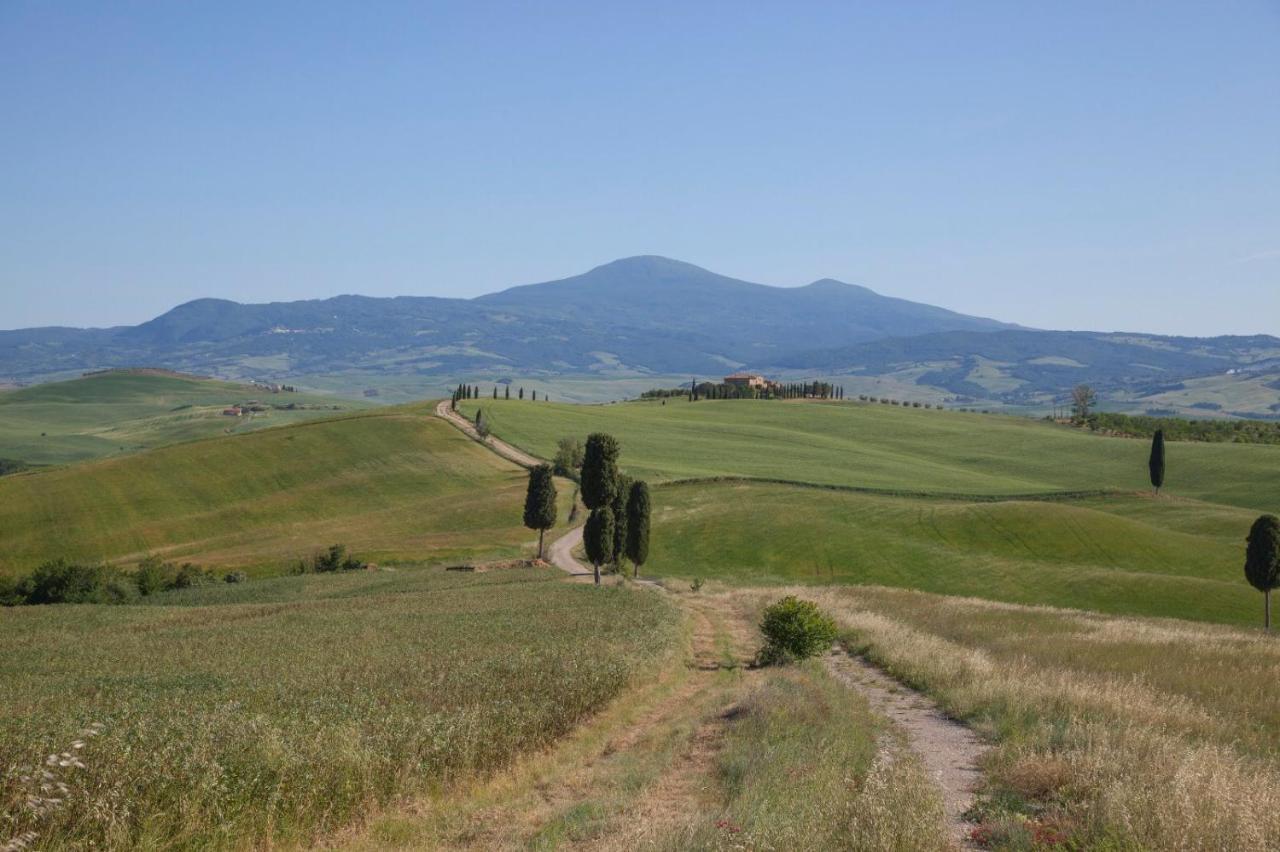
464	391
1262	553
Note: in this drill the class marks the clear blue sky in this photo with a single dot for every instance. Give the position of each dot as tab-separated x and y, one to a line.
1071	165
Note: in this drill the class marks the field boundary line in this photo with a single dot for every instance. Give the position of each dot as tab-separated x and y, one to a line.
1038	496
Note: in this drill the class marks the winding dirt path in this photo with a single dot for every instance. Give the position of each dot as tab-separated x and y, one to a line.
499	446
949	750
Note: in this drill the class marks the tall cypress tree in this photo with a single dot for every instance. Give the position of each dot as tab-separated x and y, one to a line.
597	539
599	470
506	393
1262	561
495	391
1156	463
535	396
618	505
522	393
638	525
540	502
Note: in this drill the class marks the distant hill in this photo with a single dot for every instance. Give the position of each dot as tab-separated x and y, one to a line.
1025	366
653	316
119	412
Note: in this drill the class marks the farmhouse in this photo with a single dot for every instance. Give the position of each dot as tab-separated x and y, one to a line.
747	380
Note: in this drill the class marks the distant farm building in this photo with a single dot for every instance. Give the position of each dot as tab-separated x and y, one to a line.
747	380
233	411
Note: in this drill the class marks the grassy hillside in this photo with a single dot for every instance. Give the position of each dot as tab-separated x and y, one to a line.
1106	555
885	447
945	502
109	414
391	484
264	714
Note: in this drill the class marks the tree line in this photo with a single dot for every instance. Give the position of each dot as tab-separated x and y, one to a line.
466	391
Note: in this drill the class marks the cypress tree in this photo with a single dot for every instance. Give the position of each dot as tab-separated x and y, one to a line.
522	393
535	396
1262	561
638	525
495	391
540	502
506	393
597	538
618	505
1156	463
599	470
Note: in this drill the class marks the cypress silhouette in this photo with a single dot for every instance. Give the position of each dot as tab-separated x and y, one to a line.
638	525
597	538
1156	463
540	502
599	471
1262	561
506	393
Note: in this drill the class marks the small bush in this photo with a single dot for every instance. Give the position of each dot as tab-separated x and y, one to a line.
235	577
697	584
334	559
794	630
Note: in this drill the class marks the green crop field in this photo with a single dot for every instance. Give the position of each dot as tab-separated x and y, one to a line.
885	447
267	713
108	414
945	503
392	484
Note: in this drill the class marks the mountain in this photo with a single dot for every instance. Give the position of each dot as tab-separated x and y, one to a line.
648	315
638	315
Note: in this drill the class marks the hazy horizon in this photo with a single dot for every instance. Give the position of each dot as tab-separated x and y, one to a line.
1089	167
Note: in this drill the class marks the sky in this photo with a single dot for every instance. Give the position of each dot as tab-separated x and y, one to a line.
1089	165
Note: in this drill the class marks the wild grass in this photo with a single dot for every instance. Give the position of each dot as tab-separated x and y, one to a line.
805	764
277	711
391	485
1112	732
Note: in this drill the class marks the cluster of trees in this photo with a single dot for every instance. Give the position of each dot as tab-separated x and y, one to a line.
1182	429
62	581
465	391
617	529
724	390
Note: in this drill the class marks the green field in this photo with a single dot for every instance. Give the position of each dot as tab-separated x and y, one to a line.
267	713
392	484
112	413
931	500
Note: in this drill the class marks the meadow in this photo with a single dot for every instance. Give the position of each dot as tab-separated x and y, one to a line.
113	413
886	448
278	711
391	484
766	492
1111	733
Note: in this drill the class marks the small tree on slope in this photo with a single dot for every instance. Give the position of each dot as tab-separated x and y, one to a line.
1262	561
1156	462
540	502
638	525
597	538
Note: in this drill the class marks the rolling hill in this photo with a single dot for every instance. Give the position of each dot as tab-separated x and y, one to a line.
767	492
116	412
395	484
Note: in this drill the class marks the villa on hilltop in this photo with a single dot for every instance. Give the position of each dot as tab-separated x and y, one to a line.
748	380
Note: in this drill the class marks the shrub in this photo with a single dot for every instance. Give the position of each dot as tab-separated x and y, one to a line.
60	581
697	584
235	577
568	459
335	558
794	630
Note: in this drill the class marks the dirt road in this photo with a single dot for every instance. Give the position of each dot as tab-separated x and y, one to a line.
502	448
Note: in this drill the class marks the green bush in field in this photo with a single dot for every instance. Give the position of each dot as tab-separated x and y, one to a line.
794	630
